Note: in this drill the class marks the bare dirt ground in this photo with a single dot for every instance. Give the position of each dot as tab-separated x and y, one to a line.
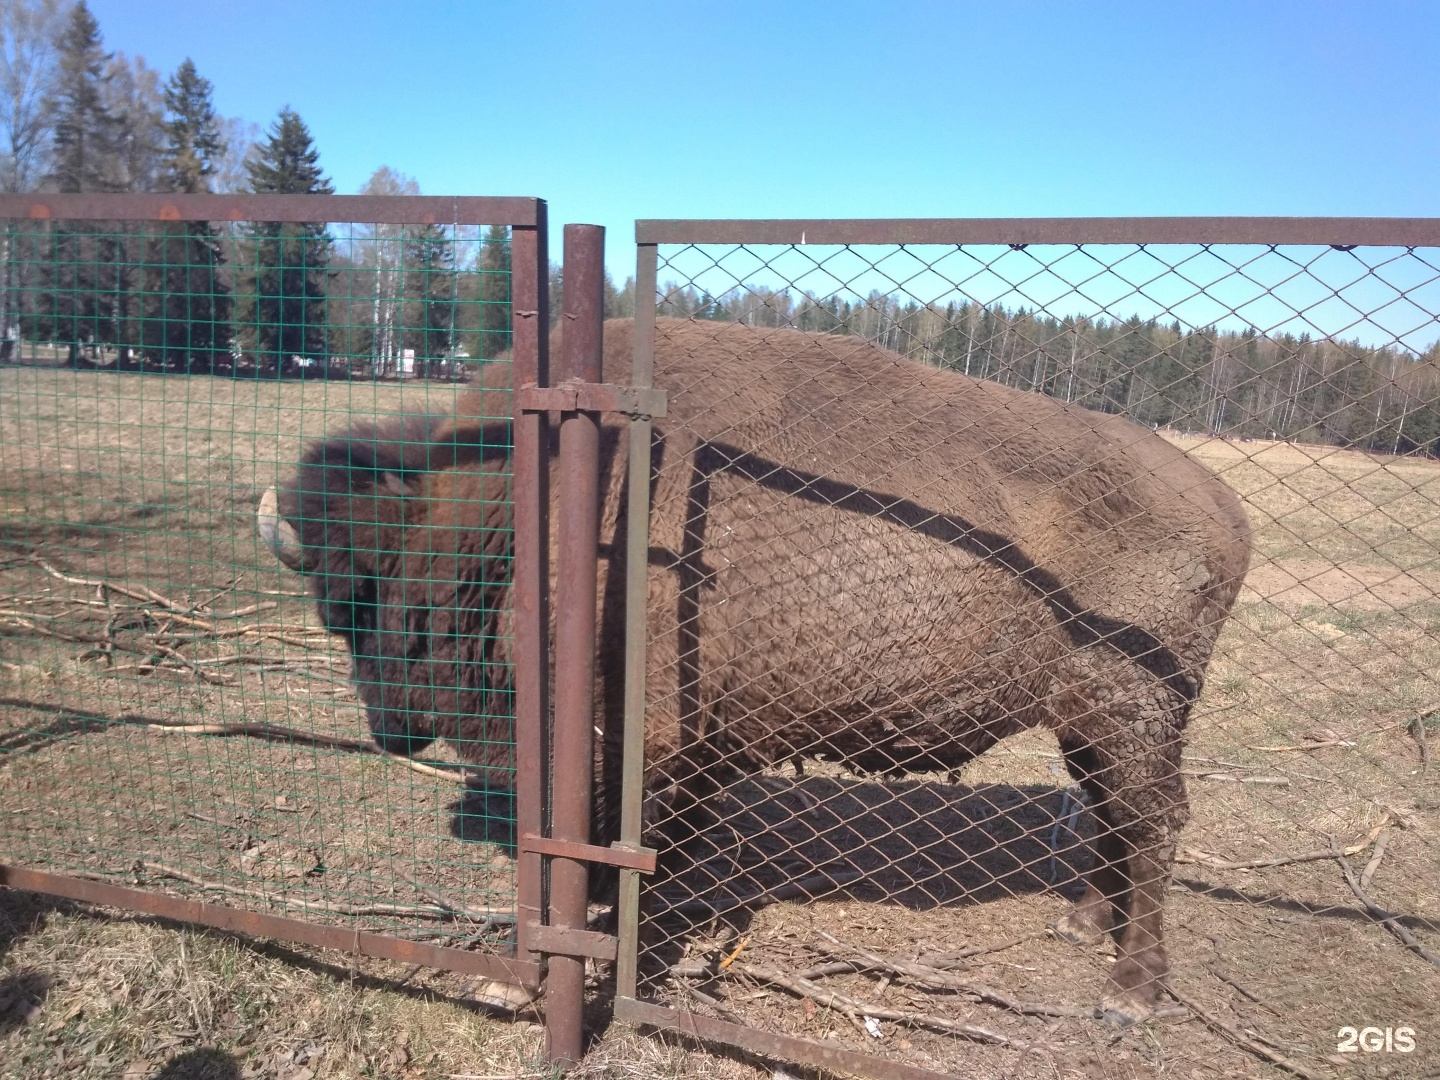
1322	694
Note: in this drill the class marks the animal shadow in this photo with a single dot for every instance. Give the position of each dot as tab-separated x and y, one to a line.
916	843
484	815
66	724
206	1063
21	996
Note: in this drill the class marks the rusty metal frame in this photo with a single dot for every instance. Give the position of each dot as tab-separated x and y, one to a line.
1337	231
379	209
258	924
527	218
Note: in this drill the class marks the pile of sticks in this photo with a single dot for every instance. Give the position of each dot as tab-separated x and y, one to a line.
154	633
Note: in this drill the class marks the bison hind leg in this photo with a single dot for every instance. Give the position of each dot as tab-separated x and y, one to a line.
1130	769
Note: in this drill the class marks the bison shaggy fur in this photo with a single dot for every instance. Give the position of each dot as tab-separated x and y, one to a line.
851	555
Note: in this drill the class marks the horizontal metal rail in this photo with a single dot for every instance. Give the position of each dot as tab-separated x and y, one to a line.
254	923
377	209
1337	231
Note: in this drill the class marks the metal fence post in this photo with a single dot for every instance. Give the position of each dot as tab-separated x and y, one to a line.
531	352
579	537
636	580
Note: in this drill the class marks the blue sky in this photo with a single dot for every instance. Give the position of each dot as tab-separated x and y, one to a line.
614	111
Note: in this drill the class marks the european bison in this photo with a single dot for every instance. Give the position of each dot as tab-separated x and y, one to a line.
852	555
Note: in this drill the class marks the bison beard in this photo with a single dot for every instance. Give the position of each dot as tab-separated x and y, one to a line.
851	555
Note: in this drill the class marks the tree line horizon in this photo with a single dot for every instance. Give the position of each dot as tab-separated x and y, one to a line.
268	299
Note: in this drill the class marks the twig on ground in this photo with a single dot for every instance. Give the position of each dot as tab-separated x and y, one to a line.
815	885
1227	980
1195	857
411	910
481	915
952	960
143	593
935	979
714	1003
1422	737
856	1009
1245	1042
1375	857
1387	919
256	729
1220	777
211	677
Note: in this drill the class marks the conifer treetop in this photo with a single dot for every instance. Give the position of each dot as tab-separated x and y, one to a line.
287	162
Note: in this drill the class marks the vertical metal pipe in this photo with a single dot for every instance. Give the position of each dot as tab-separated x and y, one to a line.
530	365
637	534
579	538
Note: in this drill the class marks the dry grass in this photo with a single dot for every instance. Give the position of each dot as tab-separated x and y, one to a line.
152	480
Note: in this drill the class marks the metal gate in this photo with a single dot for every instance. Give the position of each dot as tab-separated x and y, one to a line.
181	735
845	895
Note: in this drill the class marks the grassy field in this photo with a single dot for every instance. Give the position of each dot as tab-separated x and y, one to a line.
148	482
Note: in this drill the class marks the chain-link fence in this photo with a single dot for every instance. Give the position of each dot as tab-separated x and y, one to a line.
175	715
1167	491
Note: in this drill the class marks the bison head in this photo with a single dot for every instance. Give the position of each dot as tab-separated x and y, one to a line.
406	546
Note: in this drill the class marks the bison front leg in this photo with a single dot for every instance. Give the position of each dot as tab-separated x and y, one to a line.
1132	775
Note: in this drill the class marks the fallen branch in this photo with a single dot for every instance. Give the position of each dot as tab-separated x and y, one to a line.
934	979
1195	857
951	960
1390	921
855	1009
1422	737
410	910
1220	777
1245	1042
1375	857
143	593
256	729
211	677
481	915
807	888
1227	980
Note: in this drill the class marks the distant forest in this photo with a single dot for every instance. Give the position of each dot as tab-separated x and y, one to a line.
1205	380
262	299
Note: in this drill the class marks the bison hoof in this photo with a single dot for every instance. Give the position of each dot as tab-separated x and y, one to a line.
1133	993
1125	1010
1080	927
503	997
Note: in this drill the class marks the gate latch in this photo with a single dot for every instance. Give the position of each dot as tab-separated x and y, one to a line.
575	396
623	856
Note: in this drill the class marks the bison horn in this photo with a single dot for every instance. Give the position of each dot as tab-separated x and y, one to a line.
279	535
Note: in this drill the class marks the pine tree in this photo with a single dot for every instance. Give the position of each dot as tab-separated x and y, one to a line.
84	128
72	307
281	298
187	304
495	293
430	282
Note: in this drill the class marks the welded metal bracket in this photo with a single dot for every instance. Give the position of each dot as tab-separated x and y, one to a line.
564	941
575	396
624	856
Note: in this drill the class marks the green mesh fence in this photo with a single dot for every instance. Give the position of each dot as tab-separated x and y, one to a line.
173	712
